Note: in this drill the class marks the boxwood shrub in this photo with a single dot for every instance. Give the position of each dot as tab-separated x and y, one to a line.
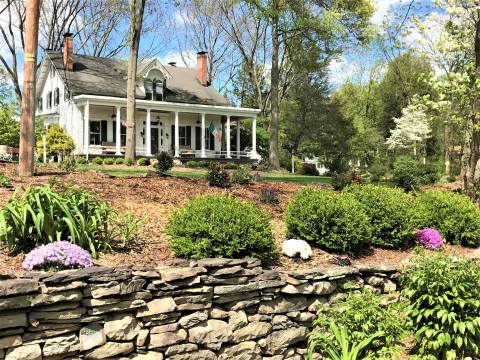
220	226
332	221
453	215
97	160
389	211
108	161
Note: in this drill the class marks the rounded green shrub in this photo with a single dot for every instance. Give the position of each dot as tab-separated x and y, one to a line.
143	162
333	221
108	161
81	160
119	161
97	160
453	215
389	212
221	226
408	173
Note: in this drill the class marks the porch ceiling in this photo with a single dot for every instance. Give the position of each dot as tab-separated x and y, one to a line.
168	106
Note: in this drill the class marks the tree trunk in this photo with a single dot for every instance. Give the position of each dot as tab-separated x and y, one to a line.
136	19
473	148
446	149
27	122
274	121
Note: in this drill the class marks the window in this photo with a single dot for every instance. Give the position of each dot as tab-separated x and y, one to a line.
49	100
40	104
209	139
185	135
56	97
158	90
154	89
95	132
98	132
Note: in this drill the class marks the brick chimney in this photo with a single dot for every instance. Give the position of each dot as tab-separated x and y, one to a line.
202	68
68	51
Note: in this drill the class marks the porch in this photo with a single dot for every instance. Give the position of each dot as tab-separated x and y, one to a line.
187	131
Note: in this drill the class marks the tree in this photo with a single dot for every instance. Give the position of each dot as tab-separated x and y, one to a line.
9	127
96	24
332	24
27	120
136	19
411	129
58	142
405	78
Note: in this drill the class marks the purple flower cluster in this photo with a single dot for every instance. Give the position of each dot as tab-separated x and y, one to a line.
429	238
59	254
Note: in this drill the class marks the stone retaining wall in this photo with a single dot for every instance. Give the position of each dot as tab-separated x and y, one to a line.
208	309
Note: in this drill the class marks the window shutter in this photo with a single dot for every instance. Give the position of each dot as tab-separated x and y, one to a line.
56	99
104	131
172	138
189	136
198	138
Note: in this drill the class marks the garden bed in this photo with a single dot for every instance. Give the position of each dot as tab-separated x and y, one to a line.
154	198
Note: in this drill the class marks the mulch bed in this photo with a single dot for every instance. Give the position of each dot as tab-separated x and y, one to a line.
153	198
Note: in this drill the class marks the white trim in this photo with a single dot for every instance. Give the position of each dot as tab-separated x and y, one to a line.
169	106
202	137
228	137
148	134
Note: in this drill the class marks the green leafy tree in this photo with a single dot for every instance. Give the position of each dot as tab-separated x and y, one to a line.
58	142
330	26
405	78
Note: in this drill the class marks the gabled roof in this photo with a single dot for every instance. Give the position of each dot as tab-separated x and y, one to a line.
108	77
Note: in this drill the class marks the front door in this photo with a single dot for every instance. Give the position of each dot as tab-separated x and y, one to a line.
154	140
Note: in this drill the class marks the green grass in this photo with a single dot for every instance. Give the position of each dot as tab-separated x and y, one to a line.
190	173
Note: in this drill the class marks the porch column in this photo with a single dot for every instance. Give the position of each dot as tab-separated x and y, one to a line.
228	137
238	139
86	128
118	140
148	132
253	155
177	137
203	136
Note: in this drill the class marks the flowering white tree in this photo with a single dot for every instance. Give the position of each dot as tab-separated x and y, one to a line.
411	129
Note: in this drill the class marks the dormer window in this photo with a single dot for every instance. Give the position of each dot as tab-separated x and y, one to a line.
154	89
154	84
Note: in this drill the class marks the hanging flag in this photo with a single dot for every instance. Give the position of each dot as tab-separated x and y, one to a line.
214	131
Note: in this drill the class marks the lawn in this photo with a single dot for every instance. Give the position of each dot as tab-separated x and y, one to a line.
122	171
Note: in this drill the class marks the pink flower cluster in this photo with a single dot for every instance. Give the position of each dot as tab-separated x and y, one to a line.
429	238
59	253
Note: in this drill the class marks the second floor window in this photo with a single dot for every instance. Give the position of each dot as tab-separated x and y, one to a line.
56	97
40	104
49	100
154	90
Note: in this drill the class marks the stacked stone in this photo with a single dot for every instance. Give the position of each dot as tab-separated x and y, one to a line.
208	309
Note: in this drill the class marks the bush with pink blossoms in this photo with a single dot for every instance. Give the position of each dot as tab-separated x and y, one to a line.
57	255
429	238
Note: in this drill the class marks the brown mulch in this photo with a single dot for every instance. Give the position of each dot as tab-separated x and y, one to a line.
153	198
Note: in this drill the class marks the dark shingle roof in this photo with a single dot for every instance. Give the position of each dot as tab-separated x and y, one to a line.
108	77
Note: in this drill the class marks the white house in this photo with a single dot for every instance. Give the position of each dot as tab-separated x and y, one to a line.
177	110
